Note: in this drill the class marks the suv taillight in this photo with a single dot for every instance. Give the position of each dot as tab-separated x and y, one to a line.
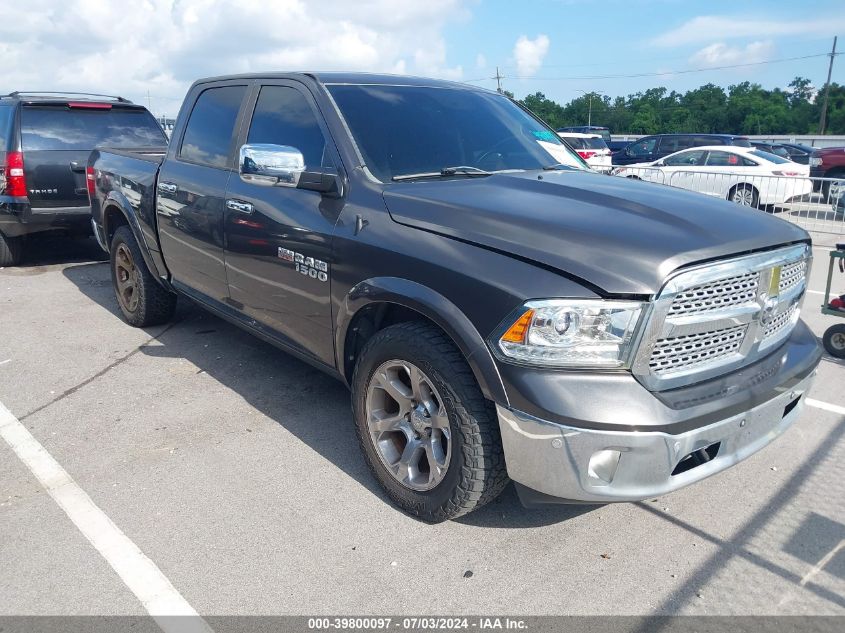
90	182
15	180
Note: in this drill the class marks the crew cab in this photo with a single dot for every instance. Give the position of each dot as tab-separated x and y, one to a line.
45	141
498	311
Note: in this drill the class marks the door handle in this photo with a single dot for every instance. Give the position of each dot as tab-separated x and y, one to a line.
167	187
76	168
240	207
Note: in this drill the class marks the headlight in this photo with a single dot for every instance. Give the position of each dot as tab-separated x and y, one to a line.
572	333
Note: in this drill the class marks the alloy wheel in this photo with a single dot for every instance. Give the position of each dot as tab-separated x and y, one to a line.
408	425
126	276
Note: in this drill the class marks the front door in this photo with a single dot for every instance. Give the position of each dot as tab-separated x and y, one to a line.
278	254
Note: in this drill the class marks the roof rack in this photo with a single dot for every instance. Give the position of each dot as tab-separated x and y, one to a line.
77	95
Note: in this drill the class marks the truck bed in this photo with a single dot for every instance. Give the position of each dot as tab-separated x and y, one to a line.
127	177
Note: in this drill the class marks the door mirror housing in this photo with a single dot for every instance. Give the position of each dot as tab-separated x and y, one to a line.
270	165
284	166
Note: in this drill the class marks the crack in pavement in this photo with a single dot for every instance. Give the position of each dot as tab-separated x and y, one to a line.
102	372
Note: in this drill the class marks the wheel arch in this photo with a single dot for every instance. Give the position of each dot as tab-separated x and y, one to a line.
117	211
376	303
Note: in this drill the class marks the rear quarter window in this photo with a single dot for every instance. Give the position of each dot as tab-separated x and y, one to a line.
60	128
7	116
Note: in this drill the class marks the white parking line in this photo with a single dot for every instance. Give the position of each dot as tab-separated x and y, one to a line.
141	575
818	404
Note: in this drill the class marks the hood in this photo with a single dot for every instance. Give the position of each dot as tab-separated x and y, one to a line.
622	236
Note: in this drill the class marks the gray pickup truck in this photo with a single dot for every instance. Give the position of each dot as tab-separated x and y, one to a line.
498	311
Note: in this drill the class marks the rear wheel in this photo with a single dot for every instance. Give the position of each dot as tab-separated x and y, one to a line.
11	250
834	340
428	434
744	195
142	300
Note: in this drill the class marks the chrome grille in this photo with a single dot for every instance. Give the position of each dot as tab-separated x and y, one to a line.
776	325
715	318
673	354
721	293
792	274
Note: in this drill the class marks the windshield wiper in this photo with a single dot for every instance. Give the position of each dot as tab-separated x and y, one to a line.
460	170
558	166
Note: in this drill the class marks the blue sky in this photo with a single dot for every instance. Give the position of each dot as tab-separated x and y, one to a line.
623	37
152	50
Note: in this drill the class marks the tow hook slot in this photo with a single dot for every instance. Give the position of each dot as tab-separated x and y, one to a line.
697	458
788	408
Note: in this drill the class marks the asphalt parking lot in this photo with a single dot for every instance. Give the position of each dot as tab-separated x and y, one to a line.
234	468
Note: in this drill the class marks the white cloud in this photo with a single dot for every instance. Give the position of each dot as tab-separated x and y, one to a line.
705	27
719	54
529	54
161	46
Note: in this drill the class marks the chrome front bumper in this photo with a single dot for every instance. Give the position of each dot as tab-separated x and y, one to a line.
598	466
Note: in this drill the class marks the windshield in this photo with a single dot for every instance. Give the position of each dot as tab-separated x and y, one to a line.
769	157
53	128
406	130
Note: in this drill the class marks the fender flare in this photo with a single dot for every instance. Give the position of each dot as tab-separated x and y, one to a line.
433	306
115	199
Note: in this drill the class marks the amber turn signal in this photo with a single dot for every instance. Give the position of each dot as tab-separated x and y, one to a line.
516	333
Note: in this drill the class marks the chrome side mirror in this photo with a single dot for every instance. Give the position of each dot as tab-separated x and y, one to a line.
270	165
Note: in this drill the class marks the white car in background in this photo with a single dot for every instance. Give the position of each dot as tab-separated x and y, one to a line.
590	147
745	175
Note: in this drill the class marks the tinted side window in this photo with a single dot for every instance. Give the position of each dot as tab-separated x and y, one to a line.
283	116
643	147
695	157
708	140
668	144
208	135
723	159
7	115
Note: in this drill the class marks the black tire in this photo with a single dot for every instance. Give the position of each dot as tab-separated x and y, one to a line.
824	187
476	472
834	340
149	303
753	197
11	250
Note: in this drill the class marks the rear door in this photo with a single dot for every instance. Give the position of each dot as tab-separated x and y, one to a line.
57	138
191	189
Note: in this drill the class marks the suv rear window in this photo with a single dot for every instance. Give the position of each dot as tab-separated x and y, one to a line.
57	128
7	114
740	142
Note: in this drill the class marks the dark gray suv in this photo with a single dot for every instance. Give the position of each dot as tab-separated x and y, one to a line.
45	141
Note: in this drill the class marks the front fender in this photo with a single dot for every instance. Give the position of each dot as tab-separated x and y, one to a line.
115	200
433	306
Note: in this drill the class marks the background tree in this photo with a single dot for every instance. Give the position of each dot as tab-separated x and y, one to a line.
744	108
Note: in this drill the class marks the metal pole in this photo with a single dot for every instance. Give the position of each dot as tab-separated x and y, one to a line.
590	112
823	121
498	80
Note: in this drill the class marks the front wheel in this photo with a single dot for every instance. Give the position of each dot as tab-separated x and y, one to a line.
142	300
428	434
834	340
